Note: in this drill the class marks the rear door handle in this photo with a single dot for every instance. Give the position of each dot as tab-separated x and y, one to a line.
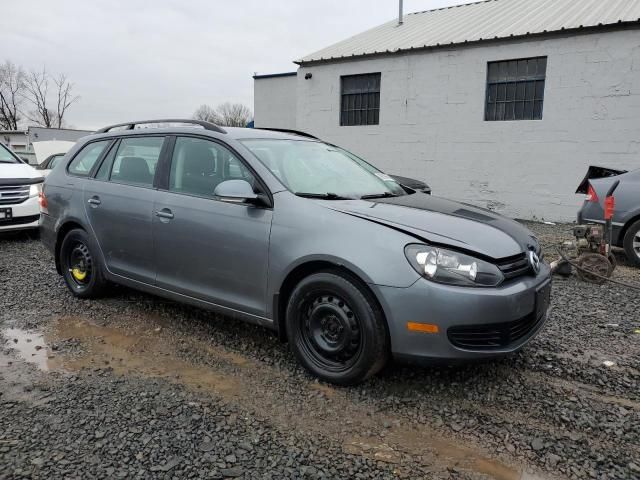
164	213
94	201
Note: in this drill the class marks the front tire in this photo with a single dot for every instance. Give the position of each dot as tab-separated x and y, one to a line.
632	243
81	271
336	329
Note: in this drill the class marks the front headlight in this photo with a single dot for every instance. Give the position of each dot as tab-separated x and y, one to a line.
453	268
35	189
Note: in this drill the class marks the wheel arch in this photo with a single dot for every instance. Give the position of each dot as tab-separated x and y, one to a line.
303	270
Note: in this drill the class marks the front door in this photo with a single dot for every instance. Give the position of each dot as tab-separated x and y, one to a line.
207	248
119	205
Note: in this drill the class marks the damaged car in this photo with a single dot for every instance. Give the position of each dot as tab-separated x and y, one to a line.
626	215
343	262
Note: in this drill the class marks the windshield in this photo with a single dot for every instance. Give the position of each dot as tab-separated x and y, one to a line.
6	156
322	170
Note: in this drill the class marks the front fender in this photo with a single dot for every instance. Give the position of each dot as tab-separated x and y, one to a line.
304	231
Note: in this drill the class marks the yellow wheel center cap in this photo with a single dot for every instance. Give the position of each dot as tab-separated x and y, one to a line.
78	274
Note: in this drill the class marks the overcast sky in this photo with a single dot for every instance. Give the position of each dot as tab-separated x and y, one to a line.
135	59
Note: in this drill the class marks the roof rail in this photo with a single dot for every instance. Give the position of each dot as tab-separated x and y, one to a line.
131	125
286	130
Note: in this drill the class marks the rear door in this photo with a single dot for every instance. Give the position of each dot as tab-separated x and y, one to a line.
207	248
119	205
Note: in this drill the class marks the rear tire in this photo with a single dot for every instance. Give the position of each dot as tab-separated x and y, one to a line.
632	243
81	270
336	328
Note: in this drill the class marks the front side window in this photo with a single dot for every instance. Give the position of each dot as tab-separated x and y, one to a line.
515	89
316	168
135	161
6	156
199	165
84	161
360	99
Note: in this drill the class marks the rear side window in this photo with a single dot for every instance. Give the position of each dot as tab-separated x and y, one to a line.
84	161
136	160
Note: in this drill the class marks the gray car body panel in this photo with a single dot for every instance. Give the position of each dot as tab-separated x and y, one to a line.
627	206
234	258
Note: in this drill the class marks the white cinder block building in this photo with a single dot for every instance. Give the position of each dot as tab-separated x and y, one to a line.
501	103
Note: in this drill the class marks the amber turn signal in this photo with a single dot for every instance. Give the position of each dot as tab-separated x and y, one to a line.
422	327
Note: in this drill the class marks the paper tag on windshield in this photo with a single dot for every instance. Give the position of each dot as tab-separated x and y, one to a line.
384	177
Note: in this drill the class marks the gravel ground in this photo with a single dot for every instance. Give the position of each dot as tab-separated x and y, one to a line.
132	386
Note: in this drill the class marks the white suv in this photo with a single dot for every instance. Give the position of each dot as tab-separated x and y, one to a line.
20	187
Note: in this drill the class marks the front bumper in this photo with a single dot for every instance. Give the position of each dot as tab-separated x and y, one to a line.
520	305
25	215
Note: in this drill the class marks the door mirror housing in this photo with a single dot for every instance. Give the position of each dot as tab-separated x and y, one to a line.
239	191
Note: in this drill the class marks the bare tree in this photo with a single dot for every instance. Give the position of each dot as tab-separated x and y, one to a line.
234	114
226	114
37	93
65	97
12	79
206	113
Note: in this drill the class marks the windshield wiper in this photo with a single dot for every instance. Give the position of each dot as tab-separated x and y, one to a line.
6	161
378	195
323	196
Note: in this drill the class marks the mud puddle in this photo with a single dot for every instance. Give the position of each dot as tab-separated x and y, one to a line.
30	347
147	350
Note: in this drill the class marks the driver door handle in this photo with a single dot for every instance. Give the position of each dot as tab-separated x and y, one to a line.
164	213
94	201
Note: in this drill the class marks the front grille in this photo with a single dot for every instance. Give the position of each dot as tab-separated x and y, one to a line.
493	336
13	194
516	266
19	220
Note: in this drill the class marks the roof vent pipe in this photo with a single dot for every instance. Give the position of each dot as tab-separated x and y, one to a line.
400	14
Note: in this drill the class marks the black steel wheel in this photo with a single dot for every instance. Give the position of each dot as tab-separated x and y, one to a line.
336	328
330	331
80	270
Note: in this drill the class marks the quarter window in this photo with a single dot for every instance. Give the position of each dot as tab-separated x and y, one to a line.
199	165
136	160
360	102
515	89
84	161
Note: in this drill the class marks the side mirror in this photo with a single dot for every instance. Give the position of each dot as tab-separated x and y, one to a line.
239	191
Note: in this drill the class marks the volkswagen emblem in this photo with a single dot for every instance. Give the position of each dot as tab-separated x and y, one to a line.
534	260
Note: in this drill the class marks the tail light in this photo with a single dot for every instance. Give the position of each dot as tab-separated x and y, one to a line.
592	196
42	200
609	207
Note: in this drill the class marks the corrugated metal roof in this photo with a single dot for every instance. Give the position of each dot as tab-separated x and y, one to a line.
486	20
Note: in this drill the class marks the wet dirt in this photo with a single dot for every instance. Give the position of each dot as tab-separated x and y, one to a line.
143	352
146	350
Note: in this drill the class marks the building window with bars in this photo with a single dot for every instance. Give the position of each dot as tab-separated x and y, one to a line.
360	99
515	89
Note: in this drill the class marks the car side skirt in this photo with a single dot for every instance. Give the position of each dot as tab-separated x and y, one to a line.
196	302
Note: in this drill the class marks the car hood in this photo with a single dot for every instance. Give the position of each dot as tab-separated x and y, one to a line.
445	222
18	171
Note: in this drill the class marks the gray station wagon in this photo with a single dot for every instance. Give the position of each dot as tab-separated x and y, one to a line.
298	235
